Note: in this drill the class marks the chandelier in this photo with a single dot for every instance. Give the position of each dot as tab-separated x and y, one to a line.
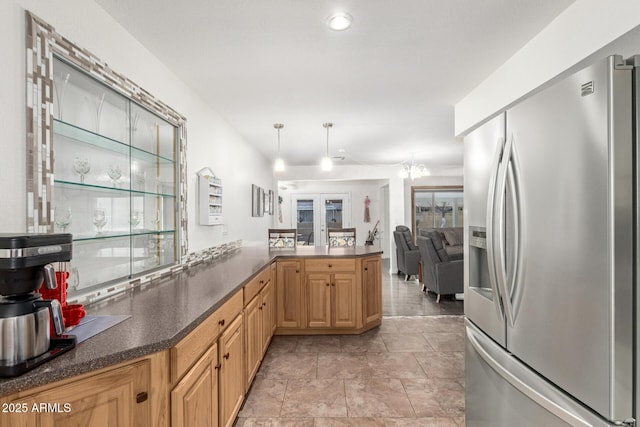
413	170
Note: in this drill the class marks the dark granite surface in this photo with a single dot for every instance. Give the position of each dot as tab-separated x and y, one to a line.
164	312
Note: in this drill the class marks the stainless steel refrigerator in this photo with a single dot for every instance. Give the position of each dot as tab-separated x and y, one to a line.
551	255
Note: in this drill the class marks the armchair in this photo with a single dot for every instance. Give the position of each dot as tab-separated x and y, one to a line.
440	274
407	252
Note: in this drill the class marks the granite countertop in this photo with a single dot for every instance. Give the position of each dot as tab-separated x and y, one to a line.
165	311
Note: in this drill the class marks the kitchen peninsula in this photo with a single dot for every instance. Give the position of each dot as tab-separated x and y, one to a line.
195	339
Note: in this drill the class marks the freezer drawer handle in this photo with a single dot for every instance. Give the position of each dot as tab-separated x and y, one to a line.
532	394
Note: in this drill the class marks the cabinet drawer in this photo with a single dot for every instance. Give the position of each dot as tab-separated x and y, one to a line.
189	350
330	264
252	288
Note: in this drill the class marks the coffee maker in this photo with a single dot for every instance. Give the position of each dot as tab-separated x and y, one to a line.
25	338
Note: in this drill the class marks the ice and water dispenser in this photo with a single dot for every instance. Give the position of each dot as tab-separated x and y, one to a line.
478	263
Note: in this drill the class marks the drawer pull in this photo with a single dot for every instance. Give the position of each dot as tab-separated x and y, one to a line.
141	397
221	322
226	356
297	271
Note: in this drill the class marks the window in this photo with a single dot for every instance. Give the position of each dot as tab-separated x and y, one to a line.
436	207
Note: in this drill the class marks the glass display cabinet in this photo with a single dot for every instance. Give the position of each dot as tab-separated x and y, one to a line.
115	178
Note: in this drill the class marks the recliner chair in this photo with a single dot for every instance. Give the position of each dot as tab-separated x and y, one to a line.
407	252
440	274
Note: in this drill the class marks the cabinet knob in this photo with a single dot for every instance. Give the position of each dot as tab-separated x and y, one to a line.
327	284
221	322
261	307
217	367
366	269
333	284
330	265
297	271
264	303
262	282
141	397
226	356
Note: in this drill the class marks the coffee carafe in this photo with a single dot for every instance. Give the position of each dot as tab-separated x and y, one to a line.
25	261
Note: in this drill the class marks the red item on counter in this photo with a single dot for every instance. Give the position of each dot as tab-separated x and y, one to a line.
71	313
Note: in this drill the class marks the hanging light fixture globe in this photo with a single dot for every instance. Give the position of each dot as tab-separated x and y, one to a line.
278	165
326	164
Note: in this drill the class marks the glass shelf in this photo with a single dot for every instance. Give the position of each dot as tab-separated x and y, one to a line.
112	235
88	137
124	191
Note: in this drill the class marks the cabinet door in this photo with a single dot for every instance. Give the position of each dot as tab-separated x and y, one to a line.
319	300
253	337
231	372
289	294
194	401
268	315
104	400
372	290
344	300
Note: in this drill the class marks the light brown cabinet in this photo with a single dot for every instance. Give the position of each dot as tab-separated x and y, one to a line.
331	300
289	294
372	290
339	295
231	372
259	324
194	401
116	398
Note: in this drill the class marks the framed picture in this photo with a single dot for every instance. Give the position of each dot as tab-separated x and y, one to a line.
271	202
257	201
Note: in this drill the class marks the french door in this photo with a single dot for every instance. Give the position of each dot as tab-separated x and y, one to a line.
312	214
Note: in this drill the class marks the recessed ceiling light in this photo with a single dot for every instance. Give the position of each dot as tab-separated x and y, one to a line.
339	21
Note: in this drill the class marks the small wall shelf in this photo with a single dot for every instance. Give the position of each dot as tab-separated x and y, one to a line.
209	198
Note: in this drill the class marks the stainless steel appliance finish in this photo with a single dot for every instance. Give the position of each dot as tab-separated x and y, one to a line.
481	302
560	234
24	337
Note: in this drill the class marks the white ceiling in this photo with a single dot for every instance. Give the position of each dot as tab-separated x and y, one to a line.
388	84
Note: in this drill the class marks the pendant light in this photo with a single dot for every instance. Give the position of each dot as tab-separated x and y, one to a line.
278	165
326	164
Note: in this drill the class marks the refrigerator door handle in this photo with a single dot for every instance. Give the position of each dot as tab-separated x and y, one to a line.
491	256
514	280
571	418
498	220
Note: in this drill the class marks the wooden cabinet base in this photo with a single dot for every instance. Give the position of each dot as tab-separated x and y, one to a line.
327	331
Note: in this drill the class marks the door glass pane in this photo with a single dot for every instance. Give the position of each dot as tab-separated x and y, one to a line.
333	213
304	225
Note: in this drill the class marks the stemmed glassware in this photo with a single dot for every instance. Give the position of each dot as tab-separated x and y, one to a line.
115	173
99	219
62	218
81	166
136	217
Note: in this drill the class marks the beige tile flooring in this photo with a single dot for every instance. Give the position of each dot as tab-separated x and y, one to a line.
409	372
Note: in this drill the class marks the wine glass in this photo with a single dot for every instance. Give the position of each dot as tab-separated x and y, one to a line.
115	173
99	220
81	166
62	218
136	216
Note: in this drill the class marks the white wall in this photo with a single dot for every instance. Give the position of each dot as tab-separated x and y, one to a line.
210	140
585	31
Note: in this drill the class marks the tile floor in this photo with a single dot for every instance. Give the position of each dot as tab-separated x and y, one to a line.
408	372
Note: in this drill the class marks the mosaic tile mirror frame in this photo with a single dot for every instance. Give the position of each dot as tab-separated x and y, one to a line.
44	44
